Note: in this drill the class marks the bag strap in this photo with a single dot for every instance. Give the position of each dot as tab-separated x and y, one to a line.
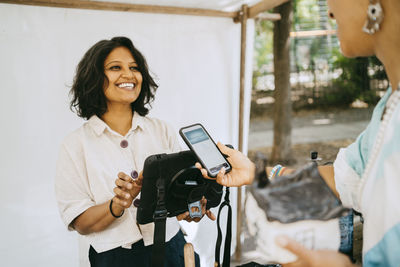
228	237
160	217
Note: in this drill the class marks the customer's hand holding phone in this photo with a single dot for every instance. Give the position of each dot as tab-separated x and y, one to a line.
242	172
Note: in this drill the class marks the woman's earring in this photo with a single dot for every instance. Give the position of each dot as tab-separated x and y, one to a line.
374	18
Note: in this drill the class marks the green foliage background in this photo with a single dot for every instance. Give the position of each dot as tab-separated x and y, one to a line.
356	73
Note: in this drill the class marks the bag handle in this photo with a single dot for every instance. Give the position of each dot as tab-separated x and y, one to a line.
160	217
228	237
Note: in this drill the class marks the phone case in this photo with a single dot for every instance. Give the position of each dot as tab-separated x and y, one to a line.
191	148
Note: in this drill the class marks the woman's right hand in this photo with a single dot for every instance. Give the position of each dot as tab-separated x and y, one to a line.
97	218
126	189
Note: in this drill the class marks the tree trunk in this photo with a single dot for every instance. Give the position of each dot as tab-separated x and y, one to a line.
281	151
362	73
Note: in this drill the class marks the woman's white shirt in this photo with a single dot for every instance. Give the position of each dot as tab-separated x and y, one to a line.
90	159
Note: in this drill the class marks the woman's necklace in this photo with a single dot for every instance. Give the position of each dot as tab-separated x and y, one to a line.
390	106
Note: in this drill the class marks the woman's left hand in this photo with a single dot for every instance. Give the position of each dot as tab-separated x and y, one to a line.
312	258
186	216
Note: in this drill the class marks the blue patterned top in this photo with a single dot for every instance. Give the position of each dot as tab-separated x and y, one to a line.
379	199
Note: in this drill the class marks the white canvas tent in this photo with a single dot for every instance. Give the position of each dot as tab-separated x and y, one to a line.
196	58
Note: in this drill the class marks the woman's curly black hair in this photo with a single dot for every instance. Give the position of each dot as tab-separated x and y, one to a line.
87	91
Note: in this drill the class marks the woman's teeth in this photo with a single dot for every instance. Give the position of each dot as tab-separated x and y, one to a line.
126	85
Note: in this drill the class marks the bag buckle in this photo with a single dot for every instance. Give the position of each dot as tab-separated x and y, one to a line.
195	209
160	214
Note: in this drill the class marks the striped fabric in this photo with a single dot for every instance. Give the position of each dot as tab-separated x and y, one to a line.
379	201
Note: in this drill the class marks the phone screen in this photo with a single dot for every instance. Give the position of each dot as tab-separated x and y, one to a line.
205	149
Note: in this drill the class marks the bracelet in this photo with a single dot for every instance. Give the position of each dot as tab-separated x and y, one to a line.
276	171
115	216
280	171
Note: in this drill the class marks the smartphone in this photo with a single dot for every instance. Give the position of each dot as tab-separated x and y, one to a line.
206	151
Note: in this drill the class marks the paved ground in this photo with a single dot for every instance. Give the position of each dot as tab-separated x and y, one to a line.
313	127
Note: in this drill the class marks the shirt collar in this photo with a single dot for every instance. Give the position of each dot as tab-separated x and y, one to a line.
137	122
99	125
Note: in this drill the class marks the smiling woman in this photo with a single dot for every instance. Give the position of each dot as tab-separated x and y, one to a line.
99	167
122	87
124	79
102	65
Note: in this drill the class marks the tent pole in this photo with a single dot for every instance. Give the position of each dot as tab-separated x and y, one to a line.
243	23
263	6
127	7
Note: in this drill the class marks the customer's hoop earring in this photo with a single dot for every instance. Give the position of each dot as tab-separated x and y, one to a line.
374	17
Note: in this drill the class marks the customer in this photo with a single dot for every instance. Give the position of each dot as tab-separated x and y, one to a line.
366	173
97	176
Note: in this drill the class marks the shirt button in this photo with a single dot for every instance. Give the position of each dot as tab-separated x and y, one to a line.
124	144
136	202
134	174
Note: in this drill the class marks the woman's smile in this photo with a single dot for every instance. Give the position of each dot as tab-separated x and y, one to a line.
130	86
